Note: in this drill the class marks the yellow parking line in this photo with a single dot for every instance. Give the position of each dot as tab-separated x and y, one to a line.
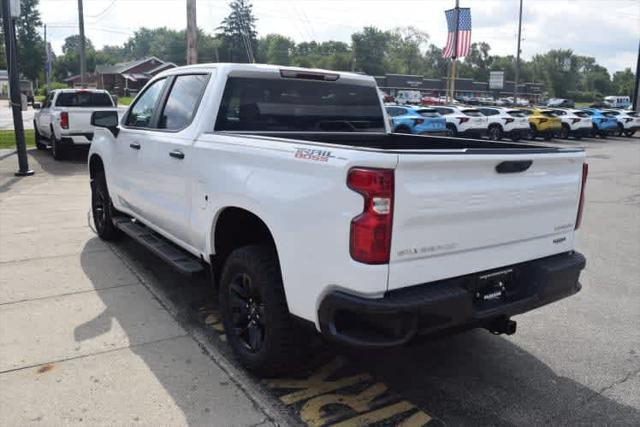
417	419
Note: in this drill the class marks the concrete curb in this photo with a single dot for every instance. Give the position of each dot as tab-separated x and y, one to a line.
6	152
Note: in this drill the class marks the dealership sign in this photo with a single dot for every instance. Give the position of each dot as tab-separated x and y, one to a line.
496	79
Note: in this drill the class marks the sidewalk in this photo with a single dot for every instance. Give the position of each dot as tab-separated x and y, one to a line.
82	341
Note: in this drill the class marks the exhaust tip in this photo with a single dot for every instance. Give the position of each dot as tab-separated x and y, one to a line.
501	326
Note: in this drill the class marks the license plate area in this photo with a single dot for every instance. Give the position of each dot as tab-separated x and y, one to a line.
494	288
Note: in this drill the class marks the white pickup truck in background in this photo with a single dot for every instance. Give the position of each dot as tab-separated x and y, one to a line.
287	185
64	121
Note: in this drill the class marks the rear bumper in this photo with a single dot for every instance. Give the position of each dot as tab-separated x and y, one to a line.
76	138
584	131
450	304
473	132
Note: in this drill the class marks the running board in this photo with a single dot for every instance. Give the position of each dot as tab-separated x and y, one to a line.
179	259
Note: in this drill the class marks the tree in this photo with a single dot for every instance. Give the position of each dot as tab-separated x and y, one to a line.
405	48
624	82
369	50
275	49
479	61
30	43
238	33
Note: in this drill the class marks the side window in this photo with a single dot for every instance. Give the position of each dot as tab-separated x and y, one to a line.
183	101
444	111
142	111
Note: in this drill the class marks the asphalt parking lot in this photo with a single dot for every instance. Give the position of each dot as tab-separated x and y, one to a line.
104	331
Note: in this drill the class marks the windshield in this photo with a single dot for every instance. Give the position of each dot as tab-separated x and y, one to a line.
428	112
473	113
84	99
267	104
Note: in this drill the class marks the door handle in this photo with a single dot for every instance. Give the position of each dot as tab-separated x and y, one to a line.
177	154
513	166
135	145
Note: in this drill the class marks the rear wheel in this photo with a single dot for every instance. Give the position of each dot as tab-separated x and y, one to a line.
564	132
57	150
451	129
495	133
102	209
534	133
620	131
38	139
257	322
515	136
629	133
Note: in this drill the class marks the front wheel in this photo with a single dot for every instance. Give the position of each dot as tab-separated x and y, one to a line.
451	130
564	132
256	319
102	209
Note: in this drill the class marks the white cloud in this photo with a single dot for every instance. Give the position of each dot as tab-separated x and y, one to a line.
606	29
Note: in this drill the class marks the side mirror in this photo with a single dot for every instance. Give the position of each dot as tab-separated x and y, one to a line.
106	119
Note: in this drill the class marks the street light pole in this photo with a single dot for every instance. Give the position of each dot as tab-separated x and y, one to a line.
14	88
515	88
83	64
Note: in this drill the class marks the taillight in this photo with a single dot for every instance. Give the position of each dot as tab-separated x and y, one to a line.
574	121
418	121
508	120
543	120
64	120
585	172
627	119
370	237
463	119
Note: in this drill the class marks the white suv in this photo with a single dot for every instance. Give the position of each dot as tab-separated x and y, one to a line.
575	123
462	120
628	121
506	122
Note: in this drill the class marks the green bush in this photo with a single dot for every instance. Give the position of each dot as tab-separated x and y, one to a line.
579	96
52	86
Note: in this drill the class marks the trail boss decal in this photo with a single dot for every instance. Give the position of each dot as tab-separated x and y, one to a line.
315	155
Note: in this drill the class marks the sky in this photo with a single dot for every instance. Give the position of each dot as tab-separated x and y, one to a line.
608	30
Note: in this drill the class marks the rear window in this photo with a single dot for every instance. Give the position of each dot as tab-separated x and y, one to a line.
473	113
264	104
428	112
611	113
547	113
516	113
581	114
84	99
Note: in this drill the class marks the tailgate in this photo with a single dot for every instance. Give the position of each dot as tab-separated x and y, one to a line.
454	214
80	119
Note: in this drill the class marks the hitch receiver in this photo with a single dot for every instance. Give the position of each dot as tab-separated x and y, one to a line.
502	325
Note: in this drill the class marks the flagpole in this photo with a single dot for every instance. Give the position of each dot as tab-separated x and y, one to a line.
455	52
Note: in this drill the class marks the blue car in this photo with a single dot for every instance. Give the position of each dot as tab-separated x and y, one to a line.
603	123
416	120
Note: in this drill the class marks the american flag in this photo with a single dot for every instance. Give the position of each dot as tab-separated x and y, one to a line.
464	33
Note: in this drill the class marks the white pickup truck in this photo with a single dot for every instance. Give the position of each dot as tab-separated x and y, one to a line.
64	121
287	185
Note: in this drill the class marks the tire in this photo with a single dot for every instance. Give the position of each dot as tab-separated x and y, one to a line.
452	130
57	150
402	129
629	133
515	136
534	133
564	132
257	322
620	131
102	209
495	133
39	144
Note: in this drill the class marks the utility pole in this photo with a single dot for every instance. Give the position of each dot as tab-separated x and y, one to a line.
455	52
47	61
192	33
636	93
8	21
515	87
83	64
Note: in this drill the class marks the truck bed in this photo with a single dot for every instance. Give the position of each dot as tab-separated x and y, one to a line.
403	142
